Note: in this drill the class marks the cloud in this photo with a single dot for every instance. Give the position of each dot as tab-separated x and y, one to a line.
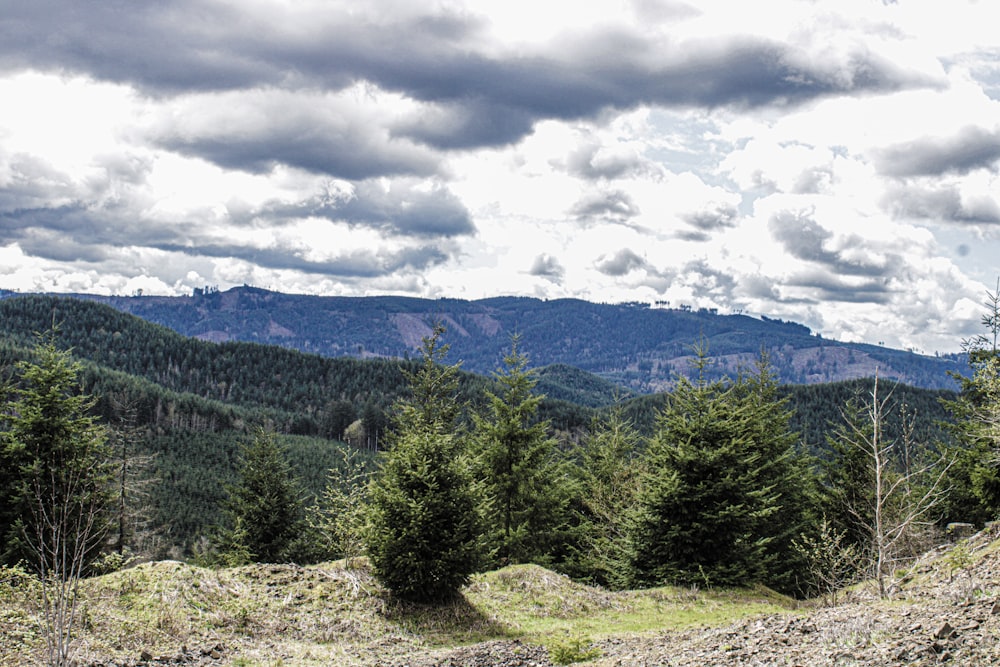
465	124
825	287
479	94
807	240
592	161
361	263
941	203
968	149
612	206
621	263
402	207
712	217
547	266
342	135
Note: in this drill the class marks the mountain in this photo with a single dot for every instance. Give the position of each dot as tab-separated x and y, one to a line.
633	345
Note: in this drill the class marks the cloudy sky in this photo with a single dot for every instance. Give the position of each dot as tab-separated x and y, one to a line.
831	163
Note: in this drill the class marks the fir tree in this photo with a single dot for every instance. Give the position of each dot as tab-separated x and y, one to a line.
784	470
264	507
527	487
609	484
424	535
723	493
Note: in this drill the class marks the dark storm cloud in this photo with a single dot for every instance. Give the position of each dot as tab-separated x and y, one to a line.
621	263
805	239
353	264
466	125
475	97
940	203
255	131
615	206
547	266
969	149
91	232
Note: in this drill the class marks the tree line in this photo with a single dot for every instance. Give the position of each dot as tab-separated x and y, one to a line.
603	503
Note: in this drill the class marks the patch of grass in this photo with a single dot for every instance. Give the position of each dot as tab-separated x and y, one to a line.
569	650
535	604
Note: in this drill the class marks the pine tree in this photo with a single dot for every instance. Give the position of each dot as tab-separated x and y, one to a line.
527	486
264	507
424	535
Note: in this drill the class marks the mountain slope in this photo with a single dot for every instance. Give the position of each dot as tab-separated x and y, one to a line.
633	345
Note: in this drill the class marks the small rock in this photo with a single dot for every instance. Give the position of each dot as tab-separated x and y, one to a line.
945	631
145	656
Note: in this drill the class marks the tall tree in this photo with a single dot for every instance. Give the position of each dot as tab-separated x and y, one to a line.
265	506
723	494
424	535
62	484
610	474
526	483
784	469
902	490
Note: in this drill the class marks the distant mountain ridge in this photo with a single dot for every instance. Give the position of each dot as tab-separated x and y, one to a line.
633	345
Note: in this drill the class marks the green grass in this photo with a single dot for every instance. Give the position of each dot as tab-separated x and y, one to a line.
533	604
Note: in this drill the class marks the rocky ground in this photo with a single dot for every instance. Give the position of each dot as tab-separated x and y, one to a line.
941	614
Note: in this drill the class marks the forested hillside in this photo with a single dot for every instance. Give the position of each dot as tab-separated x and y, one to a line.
192	405
638	347
195	403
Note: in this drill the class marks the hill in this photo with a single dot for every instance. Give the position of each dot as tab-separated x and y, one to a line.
171	613
636	346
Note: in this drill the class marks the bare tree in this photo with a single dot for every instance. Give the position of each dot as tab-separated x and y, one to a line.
905	487
134	532
64	481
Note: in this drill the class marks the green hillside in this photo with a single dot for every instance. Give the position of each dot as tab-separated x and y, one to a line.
636	346
194	403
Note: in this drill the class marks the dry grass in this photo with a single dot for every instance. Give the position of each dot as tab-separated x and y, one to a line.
327	614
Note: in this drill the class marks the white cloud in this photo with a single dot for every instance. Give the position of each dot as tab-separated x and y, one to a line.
811	163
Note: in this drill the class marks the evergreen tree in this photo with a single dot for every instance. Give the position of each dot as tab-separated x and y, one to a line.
609	485
527	486
264	507
724	493
424	535
783	469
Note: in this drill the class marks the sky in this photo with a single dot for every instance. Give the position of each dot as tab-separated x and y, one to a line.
835	164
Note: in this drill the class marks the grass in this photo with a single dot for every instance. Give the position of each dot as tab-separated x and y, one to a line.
534	603
288	615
